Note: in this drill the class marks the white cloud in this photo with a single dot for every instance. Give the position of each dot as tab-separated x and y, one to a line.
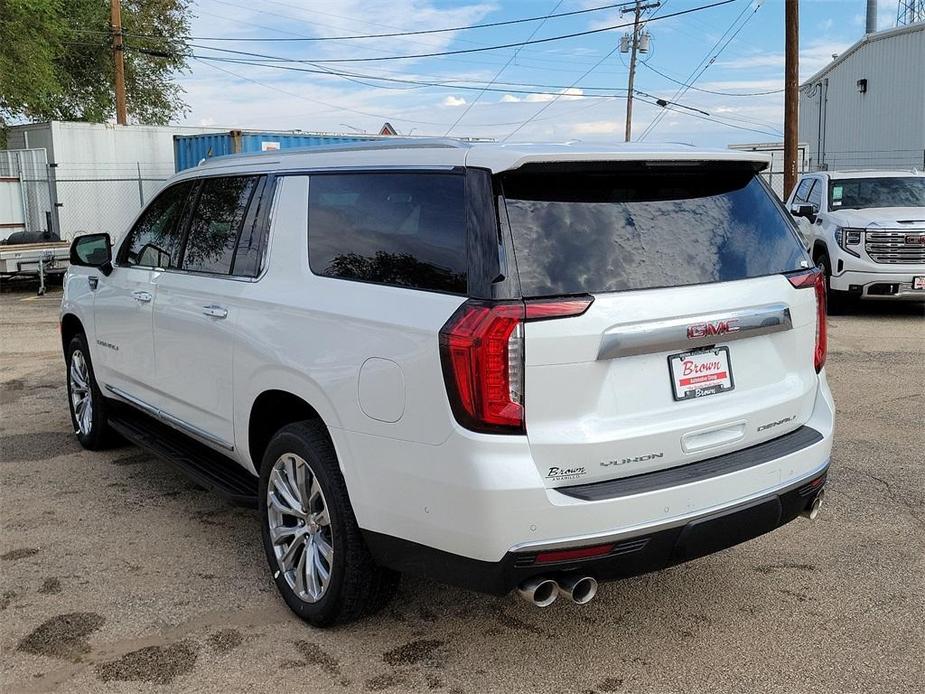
510	99
454	101
597	127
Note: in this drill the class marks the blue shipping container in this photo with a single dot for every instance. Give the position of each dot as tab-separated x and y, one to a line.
189	150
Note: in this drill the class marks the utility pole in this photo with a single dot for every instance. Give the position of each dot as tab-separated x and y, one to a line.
638	42
791	92
118	50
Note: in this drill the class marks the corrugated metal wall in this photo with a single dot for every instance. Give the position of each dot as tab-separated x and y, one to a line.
881	128
189	150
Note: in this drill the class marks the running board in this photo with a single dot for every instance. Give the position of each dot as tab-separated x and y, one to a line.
200	463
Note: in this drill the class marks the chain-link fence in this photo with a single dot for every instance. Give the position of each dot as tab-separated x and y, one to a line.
73	198
105	197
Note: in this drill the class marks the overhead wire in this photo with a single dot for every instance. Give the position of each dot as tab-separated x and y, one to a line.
502	69
708	60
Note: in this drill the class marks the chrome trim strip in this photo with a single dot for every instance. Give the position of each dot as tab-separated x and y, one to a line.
169	419
646	528
672	334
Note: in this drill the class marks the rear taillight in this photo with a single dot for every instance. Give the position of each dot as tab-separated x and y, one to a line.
482	353
816	280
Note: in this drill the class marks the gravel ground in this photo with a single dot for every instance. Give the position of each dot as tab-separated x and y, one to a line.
119	575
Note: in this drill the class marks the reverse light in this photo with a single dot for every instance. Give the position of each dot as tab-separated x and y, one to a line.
815	279
482	354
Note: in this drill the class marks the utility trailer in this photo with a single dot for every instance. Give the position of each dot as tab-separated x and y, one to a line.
40	259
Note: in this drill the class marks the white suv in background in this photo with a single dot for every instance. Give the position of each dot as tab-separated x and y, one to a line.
500	366
866	230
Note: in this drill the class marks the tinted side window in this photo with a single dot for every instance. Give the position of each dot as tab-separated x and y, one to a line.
155	239
803	190
215	223
401	229
252	242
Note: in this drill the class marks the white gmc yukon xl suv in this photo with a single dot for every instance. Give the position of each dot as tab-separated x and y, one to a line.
865	231
529	367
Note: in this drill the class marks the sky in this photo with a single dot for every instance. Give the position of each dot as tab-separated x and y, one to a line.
579	83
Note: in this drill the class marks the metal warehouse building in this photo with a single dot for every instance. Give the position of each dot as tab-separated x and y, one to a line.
866	109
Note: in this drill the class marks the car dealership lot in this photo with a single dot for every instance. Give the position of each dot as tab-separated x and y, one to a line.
117	574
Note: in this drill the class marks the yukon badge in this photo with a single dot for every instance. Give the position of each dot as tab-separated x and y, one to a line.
713	327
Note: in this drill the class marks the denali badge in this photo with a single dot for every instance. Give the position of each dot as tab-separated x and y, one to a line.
637	459
771	425
566	473
713	327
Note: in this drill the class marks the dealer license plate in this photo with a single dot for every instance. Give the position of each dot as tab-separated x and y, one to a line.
918	282
702	373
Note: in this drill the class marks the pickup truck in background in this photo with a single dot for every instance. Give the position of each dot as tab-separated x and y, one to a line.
866	230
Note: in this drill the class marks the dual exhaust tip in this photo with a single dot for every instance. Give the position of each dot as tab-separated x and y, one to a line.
543	591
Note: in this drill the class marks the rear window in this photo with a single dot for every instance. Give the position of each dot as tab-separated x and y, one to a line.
400	229
615	229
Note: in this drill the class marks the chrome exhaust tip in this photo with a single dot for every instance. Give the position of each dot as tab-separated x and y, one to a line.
812	512
539	590
579	589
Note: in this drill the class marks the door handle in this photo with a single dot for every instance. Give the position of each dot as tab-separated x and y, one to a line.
143	297
215	311
93	280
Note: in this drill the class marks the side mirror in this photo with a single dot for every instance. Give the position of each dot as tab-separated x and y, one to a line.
804	209
92	250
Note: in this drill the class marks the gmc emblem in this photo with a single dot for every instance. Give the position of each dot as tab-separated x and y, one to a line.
915	239
716	327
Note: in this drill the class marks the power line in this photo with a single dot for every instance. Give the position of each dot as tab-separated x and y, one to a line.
502	69
705	63
419	32
393	116
461	51
707	91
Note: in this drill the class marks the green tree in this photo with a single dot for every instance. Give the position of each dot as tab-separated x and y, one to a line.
56	60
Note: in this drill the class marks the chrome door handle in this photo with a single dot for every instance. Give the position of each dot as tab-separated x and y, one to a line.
143	297
215	311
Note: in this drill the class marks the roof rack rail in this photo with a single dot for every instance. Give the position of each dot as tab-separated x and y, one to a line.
385	143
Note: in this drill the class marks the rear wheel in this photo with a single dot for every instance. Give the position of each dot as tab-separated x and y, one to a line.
87	405
319	561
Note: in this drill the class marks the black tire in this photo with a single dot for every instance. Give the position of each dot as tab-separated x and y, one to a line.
834	300
357	586
97	434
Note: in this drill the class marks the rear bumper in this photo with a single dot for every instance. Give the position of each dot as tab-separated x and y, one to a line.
463	511
879	285
631	554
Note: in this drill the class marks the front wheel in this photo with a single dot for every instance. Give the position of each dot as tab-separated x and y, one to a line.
87	406
317	556
834	299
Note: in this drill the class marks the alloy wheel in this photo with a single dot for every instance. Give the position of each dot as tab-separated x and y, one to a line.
81	392
300	527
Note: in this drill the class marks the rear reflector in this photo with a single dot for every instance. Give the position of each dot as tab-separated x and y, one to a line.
815	279
570	554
